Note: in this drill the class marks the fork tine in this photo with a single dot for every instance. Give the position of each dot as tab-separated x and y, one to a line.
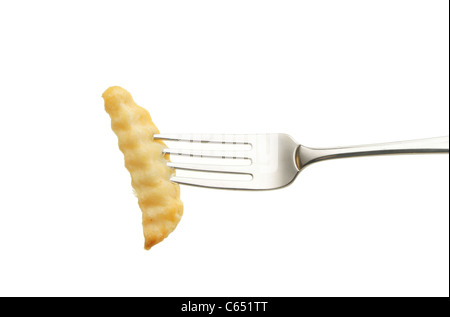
242	154
233	169
212	183
207	138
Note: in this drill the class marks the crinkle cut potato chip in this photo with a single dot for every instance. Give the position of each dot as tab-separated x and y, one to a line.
158	197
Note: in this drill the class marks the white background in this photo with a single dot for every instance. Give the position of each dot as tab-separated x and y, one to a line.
329	73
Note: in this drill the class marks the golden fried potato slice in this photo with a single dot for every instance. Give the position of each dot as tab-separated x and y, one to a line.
158	197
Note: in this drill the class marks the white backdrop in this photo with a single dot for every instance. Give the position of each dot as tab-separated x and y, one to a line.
329	73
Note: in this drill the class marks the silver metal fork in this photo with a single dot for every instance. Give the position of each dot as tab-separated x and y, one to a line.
267	161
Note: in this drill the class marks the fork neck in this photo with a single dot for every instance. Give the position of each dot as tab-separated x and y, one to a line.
306	156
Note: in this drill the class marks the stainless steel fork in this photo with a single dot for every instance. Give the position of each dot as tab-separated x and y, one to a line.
268	161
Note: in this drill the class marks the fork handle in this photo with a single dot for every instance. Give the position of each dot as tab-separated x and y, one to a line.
306	156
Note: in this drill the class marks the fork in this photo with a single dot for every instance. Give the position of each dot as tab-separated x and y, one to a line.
267	161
